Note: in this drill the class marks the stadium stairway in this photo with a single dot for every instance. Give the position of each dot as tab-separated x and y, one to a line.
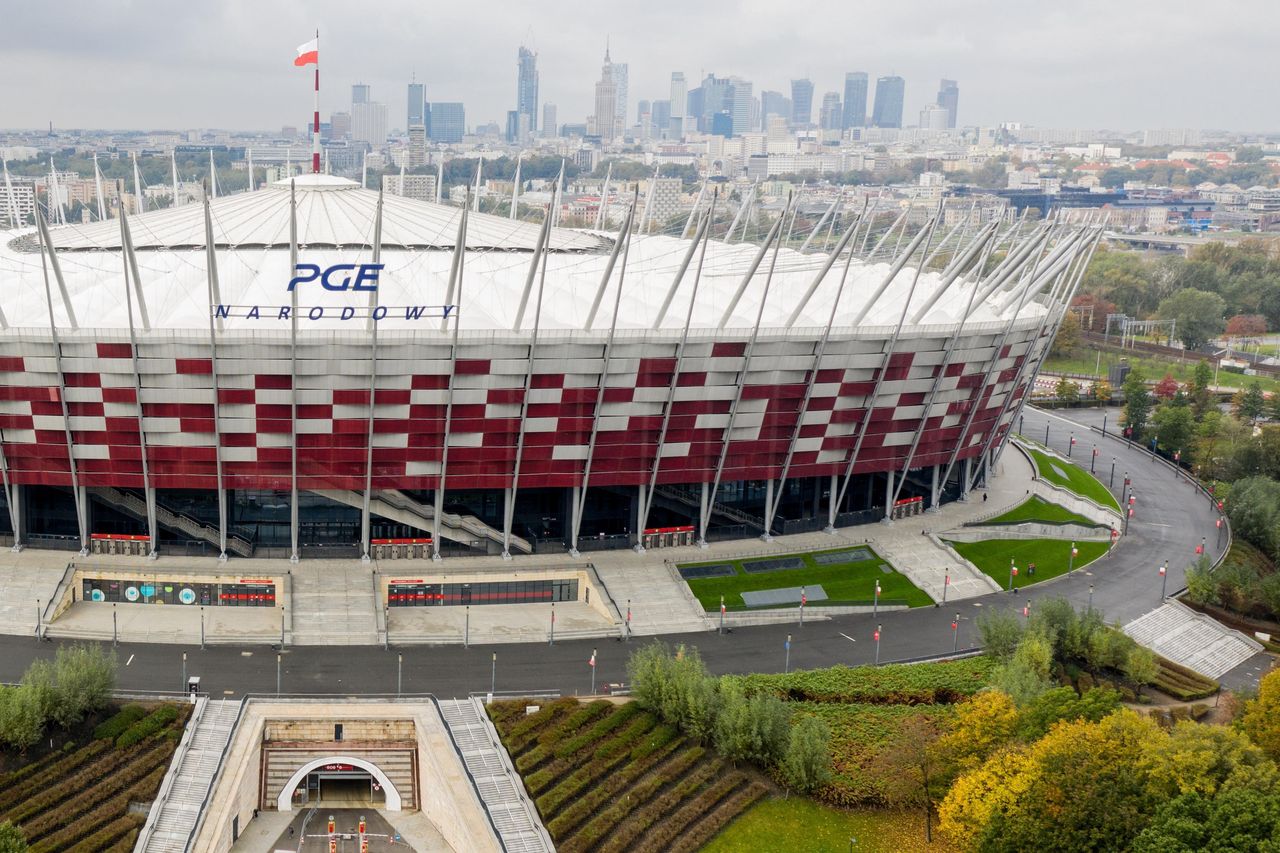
1192	639
395	505
496	783
335	603
185	788
132	505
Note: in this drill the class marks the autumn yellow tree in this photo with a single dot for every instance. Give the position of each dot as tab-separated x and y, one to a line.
980	726
1261	719
1204	759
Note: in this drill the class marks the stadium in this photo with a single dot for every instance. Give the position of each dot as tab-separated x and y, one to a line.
311	368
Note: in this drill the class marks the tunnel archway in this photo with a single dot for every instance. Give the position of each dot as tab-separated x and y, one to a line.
284	801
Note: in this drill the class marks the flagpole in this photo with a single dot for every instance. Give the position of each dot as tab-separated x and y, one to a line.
315	128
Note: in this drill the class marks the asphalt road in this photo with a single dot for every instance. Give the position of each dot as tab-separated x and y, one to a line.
1170	518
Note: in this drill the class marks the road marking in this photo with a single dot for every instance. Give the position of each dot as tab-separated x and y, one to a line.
847	637
129	661
246	654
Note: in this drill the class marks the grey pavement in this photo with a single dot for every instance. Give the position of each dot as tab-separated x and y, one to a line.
1170	520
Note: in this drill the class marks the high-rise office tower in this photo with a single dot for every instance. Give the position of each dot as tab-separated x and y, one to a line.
774	104
417	155
527	90
417	104
549	127
606	102
620	73
740	104
801	102
679	103
717	98
339	125
644	117
369	123
360	93
448	122
829	117
890	93
855	99
949	98
933	117
661	115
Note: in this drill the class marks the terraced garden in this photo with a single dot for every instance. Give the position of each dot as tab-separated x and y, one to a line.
612	778
847	575
78	799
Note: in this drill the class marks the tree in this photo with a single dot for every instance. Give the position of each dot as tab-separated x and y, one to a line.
1176	427
1198	315
1252	403
1254	510
806	764
85	677
913	777
1261	720
21	722
1102	391
1166	387
1137	403
1140	665
751	728
1025	676
1235	820
1000	631
1067	391
1068	338
1063	703
1201	396
11	839
980	727
1246	326
1203	759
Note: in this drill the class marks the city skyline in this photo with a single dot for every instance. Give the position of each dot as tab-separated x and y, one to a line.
1105	80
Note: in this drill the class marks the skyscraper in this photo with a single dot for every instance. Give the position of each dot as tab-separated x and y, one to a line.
661	113
890	93
369	123
448	122
774	104
620	73
679	98
740	104
549	120
417	105
802	102
527	90
830	116
855	99
606	102
417	154
933	117
949	98
717	97
360	93
339	125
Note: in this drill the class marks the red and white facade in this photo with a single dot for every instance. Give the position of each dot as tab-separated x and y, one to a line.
114	376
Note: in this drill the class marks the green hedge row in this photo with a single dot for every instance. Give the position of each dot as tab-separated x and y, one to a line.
573	784
1183	683
147	726
103	838
126	844
630	823
545	777
113	727
660	838
83	778
598	731
12	792
628	738
586	805
524	732
118	806
89	799
704	830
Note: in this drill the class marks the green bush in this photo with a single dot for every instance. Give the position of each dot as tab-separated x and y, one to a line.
116	807
103	838
660	838
147	726
696	837
591	801
51	770
598	731
113	726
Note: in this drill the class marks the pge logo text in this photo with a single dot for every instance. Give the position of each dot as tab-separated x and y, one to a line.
365	277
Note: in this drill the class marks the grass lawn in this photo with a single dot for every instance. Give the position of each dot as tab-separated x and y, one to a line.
1038	509
1073	478
799	825
1154	369
844	583
1051	557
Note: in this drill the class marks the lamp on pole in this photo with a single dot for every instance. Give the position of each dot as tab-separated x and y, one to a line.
1090	597
1164	579
184	672
1094	460
955	633
1071	563
399	672
876	636
1013	572
721	629
946	583
875	602
1112	481
786	660
493	675
1046	435
1071	444
278	656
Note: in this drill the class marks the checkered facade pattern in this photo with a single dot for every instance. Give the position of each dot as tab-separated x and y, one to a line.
267	394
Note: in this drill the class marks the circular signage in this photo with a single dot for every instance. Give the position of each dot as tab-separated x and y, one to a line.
148	590
187	595
97	595
131	593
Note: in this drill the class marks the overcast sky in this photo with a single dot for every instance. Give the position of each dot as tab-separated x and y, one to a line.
1119	64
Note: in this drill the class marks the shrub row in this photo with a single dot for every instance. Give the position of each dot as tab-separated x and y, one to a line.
907	684
527	762
659	738
631	826
113	727
598	731
71	785
541	781
661	835
103	838
707	828
117	806
523	733
551	801
147	726
627	739
11	793
574	722
648	786
103	790
1183	683
586	805
126	844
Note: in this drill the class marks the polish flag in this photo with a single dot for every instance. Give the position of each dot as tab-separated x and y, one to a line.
592	662
308	54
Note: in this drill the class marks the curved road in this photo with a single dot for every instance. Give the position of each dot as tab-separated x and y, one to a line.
1171	517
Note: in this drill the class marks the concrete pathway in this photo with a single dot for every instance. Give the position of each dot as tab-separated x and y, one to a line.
334	604
1192	639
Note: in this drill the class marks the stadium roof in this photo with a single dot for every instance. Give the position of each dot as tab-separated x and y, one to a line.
332	212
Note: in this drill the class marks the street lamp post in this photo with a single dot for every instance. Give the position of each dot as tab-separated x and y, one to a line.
115	631
278	656
875	601
552	641
1090	598
721	614
1071	563
1164	579
1094	460
1111	483
184	672
877	639
1071	443
466	628
955	634
493	675
201	627
1104	424
399	672
946	584
1046	435
1013	571
786	660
